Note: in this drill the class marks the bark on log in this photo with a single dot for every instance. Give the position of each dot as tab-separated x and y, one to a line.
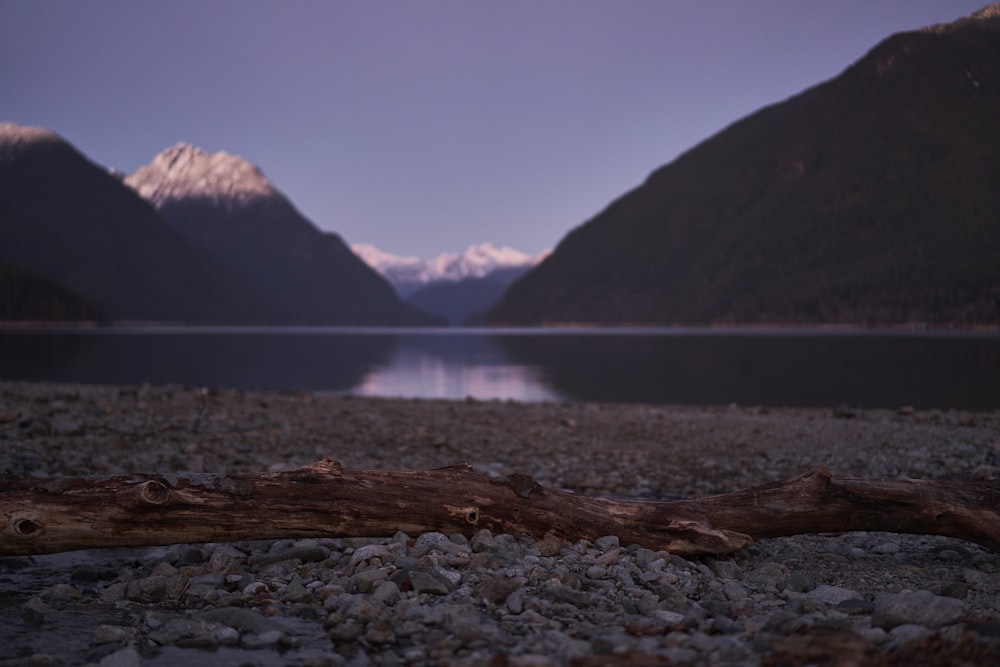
324	499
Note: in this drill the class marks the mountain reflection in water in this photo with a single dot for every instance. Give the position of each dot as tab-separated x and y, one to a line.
777	367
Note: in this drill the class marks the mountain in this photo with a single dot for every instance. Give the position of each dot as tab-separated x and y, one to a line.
873	198
453	286
409	274
73	235
225	206
466	301
26	296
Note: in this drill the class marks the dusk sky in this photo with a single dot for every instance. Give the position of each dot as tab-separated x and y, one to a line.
428	126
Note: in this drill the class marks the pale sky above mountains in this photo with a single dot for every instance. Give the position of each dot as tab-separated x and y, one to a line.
424	126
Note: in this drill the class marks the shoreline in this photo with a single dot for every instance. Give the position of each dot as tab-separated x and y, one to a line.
545	327
489	598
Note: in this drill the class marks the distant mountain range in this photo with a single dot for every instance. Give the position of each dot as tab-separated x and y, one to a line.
208	241
871	199
459	287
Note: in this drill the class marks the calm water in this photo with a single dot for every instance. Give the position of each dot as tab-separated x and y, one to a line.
692	366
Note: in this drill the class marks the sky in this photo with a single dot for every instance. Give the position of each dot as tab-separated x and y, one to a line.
427	126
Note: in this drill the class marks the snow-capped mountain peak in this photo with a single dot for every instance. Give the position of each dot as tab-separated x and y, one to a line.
187	172
14	136
408	274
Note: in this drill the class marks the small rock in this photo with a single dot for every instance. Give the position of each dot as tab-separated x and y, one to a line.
381	632
386	593
498	588
35	610
832	595
433	541
607	542
262	640
62	425
200	585
127	657
365	581
886	548
919	608
186	631
855	607
106	634
723	569
515	601
422	580
60	592
344	631
226	559
304	554
381	551
244	620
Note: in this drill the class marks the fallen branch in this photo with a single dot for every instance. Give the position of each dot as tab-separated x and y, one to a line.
324	499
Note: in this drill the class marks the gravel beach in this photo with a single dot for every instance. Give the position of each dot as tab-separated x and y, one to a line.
485	599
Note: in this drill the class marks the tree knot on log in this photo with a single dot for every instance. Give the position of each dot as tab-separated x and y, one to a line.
154	492
25	527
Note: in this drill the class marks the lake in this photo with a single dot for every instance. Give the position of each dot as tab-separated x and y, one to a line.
767	367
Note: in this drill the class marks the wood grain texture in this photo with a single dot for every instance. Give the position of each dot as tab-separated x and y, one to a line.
325	499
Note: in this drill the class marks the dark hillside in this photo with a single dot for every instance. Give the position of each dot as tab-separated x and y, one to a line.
66	219
873	198
225	206
26	296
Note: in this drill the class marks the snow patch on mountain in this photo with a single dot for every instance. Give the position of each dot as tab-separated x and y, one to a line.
185	172
408	274
14	136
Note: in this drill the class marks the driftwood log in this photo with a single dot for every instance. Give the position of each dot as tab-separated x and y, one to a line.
325	499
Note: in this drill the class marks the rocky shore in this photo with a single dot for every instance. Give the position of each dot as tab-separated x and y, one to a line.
485	599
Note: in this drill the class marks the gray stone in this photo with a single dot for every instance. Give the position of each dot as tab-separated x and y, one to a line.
607	542
515	601
106	634
433	542
386	593
724	569
733	591
344	631
127	657
62	425
426	581
918	608
244	620
201	584
60	593
904	633
262	640
184	631
496	589
832	595
366	580
225	559
768	576
383	552
885	548
304	554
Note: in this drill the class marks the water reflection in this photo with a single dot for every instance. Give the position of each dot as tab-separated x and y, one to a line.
773	368
711	367
455	367
252	359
